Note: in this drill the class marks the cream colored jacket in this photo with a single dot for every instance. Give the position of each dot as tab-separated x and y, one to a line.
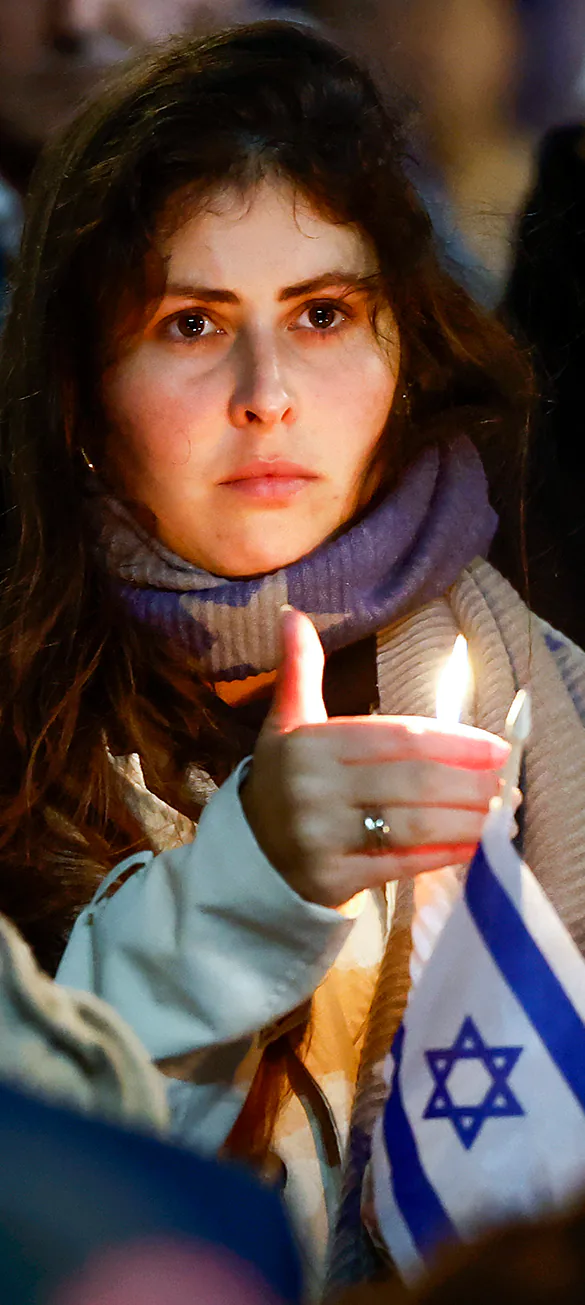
203	949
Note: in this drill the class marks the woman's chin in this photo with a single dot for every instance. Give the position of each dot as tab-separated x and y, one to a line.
245	563
253	568
238	557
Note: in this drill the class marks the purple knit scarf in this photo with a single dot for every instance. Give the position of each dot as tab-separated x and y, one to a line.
404	553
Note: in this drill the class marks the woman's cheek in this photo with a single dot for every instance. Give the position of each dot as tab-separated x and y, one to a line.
363	391
156	407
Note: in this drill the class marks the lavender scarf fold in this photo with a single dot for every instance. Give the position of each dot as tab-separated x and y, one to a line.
405	552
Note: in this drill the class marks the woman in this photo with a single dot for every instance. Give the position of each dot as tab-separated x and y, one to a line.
235	378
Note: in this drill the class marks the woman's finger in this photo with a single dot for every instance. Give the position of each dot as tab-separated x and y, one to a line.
340	829
405	738
341	877
428	783
425	827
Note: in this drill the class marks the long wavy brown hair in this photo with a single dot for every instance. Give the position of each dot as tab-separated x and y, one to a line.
77	677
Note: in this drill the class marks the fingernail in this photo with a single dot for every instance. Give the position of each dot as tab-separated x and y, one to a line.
284	619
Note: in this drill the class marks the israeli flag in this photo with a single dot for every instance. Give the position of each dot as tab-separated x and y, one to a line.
485	1114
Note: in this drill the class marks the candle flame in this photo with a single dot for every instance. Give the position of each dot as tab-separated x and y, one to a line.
452	685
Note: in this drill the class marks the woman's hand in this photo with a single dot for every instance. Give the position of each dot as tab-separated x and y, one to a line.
313	780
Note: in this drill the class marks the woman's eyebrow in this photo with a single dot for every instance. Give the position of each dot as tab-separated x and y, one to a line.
335	277
210	296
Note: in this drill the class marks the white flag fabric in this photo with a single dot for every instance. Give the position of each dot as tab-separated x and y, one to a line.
485	1115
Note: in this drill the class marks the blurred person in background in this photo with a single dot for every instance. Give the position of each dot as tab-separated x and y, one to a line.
52	52
544	305
95	1204
93	1211
485	78
166	1273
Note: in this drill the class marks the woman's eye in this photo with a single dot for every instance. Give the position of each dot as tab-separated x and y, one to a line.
193	326
321	317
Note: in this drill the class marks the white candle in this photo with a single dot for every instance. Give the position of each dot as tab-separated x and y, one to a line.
436	893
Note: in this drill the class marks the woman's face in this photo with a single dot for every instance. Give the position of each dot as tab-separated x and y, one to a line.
245	413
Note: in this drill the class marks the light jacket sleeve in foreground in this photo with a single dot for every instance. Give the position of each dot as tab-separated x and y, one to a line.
204	945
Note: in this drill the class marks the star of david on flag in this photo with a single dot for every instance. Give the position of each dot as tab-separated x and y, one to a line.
498	1101
485	1114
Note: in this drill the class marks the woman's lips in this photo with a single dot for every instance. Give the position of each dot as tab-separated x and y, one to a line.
269	482
269	488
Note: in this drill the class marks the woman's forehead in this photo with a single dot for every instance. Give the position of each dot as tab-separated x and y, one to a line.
269	234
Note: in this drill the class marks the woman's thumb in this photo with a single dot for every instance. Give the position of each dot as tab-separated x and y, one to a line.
298	693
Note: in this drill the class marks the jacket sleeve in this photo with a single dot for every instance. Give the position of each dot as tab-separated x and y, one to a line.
200	949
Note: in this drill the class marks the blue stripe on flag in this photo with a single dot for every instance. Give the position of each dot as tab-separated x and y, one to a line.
527	972
416	1198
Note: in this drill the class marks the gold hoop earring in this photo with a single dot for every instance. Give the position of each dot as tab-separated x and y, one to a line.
89	464
404	404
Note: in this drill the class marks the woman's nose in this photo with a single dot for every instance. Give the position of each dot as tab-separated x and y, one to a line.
261	395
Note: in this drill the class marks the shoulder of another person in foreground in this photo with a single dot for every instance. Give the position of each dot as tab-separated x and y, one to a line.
541	1262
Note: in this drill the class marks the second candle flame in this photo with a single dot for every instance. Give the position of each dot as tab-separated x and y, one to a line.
452	685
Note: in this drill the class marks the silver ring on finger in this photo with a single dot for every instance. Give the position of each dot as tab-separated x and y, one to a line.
377	832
